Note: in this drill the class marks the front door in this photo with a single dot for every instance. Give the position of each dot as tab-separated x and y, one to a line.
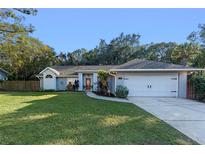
88	83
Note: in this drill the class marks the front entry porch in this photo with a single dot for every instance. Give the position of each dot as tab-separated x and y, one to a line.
87	81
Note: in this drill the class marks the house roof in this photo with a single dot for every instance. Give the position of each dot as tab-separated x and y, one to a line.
133	65
64	70
147	65
94	68
4	71
71	71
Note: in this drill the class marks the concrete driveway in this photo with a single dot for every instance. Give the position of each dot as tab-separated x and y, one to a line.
185	115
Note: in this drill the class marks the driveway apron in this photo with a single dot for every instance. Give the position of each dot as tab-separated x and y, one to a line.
185	115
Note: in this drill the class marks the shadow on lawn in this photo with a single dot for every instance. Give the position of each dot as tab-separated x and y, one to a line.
73	118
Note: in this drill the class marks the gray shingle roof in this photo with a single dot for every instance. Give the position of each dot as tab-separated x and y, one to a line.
96	67
71	70
4	71
146	64
65	70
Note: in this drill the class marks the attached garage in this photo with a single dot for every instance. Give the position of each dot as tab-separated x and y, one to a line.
153	79
150	84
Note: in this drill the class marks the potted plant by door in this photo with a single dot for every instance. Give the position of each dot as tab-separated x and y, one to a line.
69	86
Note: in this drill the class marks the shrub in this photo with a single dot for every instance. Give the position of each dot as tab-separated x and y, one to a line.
76	85
69	86
199	86
103	75
122	91
103	85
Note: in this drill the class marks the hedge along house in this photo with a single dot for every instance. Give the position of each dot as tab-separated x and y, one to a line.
141	77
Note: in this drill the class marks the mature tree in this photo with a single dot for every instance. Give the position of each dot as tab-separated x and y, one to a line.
122	48
77	56
70	59
11	28
198	37
91	57
199	61
26	57
160	51
21	55
185	54
11	21
62	59
118	51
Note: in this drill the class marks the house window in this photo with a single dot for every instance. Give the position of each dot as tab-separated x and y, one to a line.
120	78
49	76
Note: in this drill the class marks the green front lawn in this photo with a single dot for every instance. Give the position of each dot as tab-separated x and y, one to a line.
74	118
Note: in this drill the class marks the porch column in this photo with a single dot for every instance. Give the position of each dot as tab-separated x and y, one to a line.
115	82
95	81
80	79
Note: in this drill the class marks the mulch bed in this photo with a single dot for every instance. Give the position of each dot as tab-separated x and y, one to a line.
103	94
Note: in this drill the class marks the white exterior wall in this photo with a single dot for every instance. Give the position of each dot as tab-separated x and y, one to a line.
62	82
95	81
49	83
80	78
182	84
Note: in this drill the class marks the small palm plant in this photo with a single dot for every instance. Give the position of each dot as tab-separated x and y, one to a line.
103	76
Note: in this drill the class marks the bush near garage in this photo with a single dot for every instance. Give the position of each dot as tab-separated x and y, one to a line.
122	91
198	82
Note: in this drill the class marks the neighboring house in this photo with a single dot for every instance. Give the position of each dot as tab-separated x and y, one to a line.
141	77
3	74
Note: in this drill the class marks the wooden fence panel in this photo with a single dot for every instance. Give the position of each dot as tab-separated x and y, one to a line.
191	92
20	85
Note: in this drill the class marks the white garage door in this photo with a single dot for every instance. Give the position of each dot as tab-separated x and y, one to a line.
165	85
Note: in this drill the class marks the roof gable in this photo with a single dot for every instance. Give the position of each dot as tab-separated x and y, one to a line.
51	69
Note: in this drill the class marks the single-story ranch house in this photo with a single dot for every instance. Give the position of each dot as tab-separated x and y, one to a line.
141	77
3	74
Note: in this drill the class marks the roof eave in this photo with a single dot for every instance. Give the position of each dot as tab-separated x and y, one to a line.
160	70
86	71
53	70
67	76
4	71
